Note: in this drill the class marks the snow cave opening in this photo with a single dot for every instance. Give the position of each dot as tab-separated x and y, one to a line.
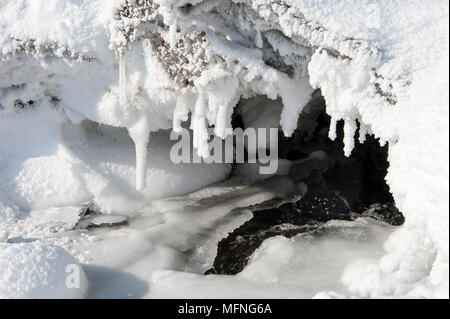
342	189
359	178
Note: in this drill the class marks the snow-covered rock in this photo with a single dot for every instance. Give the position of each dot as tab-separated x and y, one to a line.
39	270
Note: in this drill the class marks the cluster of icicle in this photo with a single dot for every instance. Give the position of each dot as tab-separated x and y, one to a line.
217	91
212	103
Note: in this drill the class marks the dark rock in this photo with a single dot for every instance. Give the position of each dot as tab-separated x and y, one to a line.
276	218
309	168
97	224
323	207
294	155
387	213
92	219
21	104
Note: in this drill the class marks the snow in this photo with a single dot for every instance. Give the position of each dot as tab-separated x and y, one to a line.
418	172
285	268
87	101
63	164
37	270
169	245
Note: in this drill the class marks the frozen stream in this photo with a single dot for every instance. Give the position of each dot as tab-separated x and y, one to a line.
165	249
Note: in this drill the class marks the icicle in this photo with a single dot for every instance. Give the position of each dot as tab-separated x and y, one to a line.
295	94
123	79
332	130
258	40
173	34
222	121
349	136
140	134
222	99
181	111
200	139
362	133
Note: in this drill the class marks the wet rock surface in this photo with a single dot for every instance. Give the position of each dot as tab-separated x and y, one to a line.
277	218
387	213
281	218
92	219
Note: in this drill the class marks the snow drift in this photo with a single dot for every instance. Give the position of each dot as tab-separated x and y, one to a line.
141	66
38	270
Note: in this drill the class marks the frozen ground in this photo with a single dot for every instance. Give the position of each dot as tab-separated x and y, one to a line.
167	247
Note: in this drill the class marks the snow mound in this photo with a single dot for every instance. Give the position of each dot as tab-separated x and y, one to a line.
61	164
39	270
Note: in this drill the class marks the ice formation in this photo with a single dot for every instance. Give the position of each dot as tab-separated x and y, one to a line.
149	65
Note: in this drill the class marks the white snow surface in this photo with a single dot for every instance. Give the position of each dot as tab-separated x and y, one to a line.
84	138
168	245
38	270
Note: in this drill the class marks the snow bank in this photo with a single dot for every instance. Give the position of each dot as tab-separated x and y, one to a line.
412	116
39	270
61	164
